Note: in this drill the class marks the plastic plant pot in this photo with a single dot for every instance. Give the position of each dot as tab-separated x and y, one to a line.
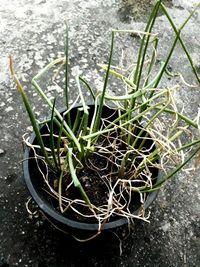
34	183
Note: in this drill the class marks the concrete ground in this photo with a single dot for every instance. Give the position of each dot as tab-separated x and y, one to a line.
32	32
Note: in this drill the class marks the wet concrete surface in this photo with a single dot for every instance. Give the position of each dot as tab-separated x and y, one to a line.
32	32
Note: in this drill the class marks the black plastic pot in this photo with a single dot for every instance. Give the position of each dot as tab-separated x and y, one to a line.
34	184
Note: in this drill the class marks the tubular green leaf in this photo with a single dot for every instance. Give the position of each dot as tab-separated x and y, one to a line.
52	145
100	107
66	88
75	178
30	113
71	135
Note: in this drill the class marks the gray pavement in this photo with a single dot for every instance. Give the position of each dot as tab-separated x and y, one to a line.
32	32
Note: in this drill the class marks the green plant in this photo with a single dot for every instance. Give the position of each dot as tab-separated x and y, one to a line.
121	141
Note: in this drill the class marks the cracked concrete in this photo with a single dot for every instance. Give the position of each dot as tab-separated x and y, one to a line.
32	32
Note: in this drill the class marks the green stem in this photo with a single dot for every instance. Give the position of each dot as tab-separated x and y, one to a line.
88	87
76	181
66	71
149	123
59	142
52	144
144	44
106	130
100	107
180	115
158	185
30	113
44	97
153	57
178	32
